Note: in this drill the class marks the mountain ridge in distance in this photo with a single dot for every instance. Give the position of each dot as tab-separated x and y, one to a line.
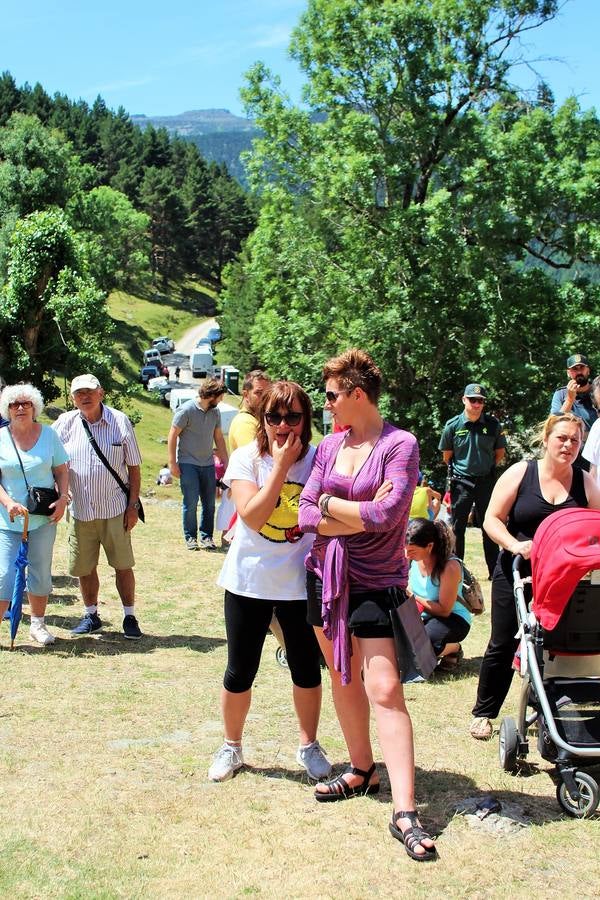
220	135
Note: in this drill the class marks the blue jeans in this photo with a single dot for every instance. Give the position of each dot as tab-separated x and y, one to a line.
198	483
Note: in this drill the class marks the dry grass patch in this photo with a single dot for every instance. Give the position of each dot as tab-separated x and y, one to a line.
105	746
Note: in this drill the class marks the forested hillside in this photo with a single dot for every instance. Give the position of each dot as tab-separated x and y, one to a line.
88	203
220	136
425	216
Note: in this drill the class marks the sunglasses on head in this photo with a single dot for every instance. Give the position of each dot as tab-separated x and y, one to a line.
25	404
290	418
332	396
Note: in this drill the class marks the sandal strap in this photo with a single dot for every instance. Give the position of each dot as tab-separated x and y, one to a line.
366	775
415	836
410	814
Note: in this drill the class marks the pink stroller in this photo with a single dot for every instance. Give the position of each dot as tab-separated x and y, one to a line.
559	658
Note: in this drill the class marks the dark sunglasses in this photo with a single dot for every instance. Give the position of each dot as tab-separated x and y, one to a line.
290	418
476	400
332	396
26	404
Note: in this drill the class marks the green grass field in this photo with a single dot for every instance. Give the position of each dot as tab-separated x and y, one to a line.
105	746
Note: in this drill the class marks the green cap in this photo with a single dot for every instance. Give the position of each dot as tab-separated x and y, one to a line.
475	390
578	359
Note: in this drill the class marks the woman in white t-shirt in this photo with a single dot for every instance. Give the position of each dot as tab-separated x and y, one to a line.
264	572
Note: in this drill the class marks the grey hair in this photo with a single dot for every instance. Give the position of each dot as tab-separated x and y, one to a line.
21	392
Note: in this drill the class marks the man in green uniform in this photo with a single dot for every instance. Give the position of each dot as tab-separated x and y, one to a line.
472	445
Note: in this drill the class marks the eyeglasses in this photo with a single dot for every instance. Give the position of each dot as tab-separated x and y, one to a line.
25	404
290	418
476	400
331	396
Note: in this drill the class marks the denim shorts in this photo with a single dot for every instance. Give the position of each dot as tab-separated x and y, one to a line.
368	611
39	557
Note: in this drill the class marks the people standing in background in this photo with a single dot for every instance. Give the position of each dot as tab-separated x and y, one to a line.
473	445
591	451
576	397
102	514
195	430
243	426
29	451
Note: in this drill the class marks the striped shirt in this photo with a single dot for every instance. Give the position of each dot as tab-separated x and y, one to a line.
95	493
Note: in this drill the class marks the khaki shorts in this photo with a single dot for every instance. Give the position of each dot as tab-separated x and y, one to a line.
85	539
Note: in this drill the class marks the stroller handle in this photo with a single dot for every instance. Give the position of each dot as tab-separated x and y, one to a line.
517	561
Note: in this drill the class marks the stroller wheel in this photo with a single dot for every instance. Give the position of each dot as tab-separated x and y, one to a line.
281	658
508	747
588	801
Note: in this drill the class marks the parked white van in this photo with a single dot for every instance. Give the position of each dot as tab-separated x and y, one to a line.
152	356
201	361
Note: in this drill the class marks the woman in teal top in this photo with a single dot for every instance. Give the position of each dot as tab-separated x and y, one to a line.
37	448
435	579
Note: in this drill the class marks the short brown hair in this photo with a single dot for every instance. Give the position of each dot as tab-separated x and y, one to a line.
252	376
355	368
212	387
282	394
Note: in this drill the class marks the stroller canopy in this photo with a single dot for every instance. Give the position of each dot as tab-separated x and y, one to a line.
566	546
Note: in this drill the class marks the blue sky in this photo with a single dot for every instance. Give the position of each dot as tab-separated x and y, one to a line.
162	58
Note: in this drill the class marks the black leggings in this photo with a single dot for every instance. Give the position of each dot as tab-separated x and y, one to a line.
247	621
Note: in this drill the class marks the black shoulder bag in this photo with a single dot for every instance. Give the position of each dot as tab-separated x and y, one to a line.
38	498
124	487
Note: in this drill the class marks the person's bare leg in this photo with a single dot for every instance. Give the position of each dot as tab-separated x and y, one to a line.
353	713
125	582
307	703
394	727
37	605
234	709
449	650
89	585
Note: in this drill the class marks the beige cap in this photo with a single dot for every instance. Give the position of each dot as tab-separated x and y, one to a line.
84	381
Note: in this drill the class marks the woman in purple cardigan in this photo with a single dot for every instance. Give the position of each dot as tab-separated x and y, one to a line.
357	501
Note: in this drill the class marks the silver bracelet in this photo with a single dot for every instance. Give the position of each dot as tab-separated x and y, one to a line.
324	504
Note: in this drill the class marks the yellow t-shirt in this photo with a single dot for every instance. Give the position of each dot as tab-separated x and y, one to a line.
242	430
420	504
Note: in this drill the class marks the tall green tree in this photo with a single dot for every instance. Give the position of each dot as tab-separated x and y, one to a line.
53	317
417	206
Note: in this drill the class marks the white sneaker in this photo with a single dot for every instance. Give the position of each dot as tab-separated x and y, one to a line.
207	544
314	761
38	632
227	760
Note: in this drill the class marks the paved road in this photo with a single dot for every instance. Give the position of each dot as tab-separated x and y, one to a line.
181	356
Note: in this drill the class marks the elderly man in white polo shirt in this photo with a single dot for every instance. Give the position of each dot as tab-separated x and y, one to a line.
102	514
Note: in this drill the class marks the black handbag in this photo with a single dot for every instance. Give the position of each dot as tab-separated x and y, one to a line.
124	487
414	653
38	498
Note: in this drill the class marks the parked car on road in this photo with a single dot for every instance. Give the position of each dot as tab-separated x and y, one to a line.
163	344
204	342
148	372
214	335
152	357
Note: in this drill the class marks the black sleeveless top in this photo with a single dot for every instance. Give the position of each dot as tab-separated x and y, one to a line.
531	508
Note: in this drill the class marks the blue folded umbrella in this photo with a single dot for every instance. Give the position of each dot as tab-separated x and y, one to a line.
16	604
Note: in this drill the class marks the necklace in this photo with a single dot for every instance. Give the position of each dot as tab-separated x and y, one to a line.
355	446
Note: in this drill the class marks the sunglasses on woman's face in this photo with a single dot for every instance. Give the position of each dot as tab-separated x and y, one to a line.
25	404
290	418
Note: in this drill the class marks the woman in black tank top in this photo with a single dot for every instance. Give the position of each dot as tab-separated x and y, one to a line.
523	497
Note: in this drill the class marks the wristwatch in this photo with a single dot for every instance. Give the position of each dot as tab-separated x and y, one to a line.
135	505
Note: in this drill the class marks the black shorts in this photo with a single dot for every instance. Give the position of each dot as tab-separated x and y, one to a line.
368	611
